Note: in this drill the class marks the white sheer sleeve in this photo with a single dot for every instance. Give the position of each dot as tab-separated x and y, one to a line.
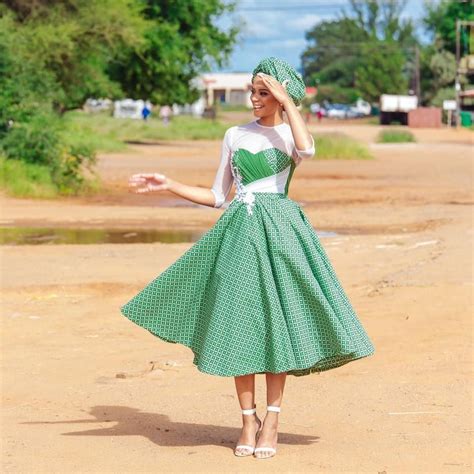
309	152
300	155
224	179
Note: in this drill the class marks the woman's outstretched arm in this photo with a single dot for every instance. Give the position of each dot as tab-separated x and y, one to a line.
150	182
214	197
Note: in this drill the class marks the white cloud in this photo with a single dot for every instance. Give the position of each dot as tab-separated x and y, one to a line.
290	43
306	22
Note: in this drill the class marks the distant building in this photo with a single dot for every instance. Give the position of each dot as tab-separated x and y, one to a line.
226	88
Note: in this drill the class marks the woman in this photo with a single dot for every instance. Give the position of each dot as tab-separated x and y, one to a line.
257	293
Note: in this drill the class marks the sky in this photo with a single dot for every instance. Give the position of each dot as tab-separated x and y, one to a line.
277	28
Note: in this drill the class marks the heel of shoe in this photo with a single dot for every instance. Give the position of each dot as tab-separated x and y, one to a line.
249	450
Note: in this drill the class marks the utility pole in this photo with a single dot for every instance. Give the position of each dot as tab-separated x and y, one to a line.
457	85
417	74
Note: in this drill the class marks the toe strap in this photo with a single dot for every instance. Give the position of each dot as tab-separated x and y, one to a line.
265	448
244	446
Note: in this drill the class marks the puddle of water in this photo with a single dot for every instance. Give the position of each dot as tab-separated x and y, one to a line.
57	235
51	236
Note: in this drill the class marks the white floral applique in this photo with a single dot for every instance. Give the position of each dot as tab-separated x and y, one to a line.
242	194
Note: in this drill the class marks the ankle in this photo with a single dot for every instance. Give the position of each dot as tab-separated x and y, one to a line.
249	420
271	422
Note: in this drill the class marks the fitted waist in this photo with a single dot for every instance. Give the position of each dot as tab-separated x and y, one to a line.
250	197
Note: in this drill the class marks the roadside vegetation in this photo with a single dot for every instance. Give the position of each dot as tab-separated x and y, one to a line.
106	133
338	146
395	136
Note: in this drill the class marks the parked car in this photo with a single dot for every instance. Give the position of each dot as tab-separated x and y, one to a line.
360	108
338	111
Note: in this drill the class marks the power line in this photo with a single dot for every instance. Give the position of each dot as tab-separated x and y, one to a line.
296	8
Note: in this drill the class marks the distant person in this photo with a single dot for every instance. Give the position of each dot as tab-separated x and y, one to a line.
165	113
146	112
319	114
257	293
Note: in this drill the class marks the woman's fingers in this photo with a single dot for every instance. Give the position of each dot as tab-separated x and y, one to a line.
147	182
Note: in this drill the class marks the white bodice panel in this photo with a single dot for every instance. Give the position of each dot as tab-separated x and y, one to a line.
255	138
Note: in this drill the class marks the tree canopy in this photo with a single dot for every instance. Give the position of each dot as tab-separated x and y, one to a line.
181	41
440	21
54	54
366	50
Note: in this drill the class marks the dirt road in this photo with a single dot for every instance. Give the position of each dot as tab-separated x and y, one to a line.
85	390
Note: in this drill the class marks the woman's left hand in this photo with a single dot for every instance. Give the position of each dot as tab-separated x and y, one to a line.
276	89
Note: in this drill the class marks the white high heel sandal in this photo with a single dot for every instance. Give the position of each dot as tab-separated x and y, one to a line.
267	448
249	450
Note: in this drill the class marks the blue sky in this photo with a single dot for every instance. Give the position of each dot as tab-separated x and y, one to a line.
277	28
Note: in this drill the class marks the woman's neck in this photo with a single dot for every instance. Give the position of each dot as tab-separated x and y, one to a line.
271	120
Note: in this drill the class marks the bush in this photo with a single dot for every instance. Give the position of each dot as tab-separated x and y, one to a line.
395	136
22	179
337	145
43	142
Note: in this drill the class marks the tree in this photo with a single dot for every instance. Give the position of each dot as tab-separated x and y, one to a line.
333	52
367	49
381	20
52	56
74	41
440	21
181	41
380	70
438	64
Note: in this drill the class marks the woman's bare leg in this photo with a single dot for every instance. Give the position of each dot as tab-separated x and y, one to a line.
269	434
245	386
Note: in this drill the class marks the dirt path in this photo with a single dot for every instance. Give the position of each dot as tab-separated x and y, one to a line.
85	390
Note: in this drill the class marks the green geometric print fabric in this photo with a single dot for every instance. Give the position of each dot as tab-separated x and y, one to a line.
253	166
281	71
256	293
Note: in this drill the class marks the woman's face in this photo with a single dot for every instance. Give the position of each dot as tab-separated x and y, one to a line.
262	101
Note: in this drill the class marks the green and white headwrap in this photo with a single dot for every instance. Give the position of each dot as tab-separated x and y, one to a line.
281	71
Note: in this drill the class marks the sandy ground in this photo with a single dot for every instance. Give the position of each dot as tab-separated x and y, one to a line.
85	390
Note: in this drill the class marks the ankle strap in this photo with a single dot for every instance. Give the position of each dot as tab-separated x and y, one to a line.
273	408
249	411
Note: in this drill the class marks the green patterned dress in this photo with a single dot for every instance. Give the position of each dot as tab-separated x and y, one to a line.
257	292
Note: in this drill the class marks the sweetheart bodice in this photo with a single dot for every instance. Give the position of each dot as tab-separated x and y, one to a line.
265	163
268	171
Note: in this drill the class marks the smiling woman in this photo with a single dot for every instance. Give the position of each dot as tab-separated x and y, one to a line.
257	293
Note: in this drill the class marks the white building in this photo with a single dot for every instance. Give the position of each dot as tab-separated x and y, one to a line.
226	88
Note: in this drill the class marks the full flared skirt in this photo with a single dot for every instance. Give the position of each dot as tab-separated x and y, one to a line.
256	293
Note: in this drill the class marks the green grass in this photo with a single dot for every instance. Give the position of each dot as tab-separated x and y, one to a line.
373	121
395	136
338	146
21	179
109	134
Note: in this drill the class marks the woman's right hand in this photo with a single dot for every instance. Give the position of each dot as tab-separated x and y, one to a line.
148	182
